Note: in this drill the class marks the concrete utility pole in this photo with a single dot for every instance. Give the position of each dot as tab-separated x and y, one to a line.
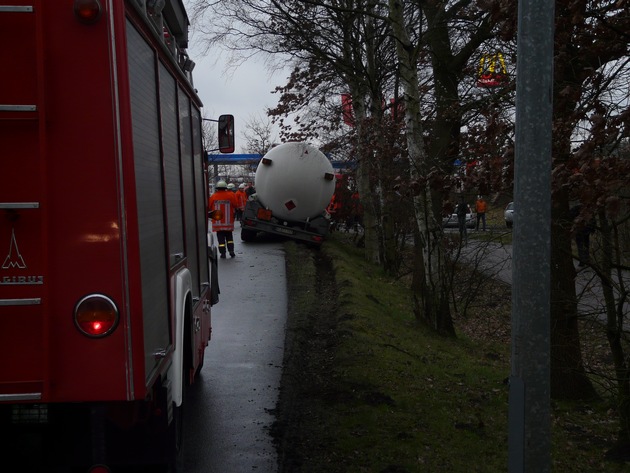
529	412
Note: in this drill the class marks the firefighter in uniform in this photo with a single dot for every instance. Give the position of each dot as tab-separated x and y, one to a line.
241	196
224	201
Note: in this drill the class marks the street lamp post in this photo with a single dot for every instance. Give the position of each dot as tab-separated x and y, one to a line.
530	405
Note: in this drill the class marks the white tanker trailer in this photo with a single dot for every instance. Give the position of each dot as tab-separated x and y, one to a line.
294	184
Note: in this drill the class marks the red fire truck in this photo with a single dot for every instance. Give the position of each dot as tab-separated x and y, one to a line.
105	276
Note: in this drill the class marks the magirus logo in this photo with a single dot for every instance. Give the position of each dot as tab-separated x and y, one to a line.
14	260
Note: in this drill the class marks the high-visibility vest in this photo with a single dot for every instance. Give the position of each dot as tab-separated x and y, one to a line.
241	198
225	201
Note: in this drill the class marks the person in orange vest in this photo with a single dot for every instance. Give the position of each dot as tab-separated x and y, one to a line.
241	198
222	206
480	207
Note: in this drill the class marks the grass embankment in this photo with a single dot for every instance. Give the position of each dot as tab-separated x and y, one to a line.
366	388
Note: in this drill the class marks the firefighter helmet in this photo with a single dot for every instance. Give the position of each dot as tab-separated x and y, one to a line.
230	186
242	186
221	185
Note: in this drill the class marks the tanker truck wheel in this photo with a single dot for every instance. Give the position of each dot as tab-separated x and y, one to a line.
248	235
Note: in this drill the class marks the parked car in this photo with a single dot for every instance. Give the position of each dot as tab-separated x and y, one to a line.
450	221
509	215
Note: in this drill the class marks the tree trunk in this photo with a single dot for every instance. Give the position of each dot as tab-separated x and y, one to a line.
614	333
431	302
568	378
364	164
391	257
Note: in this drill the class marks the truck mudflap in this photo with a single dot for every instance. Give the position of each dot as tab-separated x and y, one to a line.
257	219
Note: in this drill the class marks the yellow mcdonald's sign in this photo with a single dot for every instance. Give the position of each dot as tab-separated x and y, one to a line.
492	71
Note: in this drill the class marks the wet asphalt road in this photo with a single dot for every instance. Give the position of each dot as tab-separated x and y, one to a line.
229	410
496	261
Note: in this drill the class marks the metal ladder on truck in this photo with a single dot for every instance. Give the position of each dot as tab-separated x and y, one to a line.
23	327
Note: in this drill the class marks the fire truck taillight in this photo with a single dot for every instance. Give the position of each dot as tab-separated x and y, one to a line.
99	469
88	11
96	316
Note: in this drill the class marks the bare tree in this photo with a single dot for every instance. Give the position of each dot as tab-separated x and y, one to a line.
588	36
329	44
599	185
347	46
259	135
449	44
209	136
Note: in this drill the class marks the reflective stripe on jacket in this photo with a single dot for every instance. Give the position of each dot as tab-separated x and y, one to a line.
225	201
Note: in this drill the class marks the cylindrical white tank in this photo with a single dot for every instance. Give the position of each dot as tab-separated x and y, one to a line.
295	181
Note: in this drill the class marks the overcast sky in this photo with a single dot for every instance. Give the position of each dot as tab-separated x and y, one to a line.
245	92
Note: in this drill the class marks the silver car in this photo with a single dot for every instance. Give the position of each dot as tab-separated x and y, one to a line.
451	221
509	215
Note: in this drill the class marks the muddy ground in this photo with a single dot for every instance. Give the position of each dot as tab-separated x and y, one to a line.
310	336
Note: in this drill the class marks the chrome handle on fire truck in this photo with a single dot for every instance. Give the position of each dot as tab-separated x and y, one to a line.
196	299
159	354
12	302
205	284
18	108
19	205
12	9
20	397
178	256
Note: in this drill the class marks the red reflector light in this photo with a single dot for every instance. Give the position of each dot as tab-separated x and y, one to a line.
290	205
88	11
266	161
96	315
99	469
